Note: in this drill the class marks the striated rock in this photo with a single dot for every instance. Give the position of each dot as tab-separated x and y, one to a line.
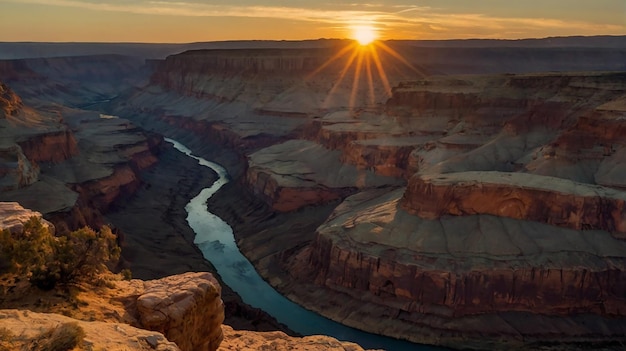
186	308
235	340
524	196
295	174
13	216
454	280
49	147
385	156
25	329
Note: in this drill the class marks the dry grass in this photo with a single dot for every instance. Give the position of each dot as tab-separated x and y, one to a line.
64	337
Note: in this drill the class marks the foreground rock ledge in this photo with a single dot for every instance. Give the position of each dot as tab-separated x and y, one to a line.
187	308
24	328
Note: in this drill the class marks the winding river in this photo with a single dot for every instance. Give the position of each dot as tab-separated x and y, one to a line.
215	239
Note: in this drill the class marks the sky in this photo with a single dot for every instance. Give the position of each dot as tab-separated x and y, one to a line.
184	21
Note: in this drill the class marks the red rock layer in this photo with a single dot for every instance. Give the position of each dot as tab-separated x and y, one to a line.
516	195
455	292
50	147
286	199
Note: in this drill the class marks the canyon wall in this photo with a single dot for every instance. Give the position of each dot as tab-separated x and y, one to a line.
83	162
513	211
525	196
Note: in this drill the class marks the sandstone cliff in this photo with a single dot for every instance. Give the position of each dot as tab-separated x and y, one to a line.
555	201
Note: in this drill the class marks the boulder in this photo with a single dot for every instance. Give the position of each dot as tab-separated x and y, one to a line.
186	308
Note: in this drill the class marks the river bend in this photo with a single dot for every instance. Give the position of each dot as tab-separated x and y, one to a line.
215	239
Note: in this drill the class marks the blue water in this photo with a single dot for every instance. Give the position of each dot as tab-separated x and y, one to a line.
215	239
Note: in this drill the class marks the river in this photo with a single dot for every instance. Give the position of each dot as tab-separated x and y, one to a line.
215	239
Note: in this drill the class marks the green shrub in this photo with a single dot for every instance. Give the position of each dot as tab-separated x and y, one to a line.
47	260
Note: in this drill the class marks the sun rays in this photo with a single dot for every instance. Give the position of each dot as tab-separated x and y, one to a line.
363	70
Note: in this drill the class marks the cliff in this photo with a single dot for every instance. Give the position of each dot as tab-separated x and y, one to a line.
453	280
82	162
550	200
295	174
10	103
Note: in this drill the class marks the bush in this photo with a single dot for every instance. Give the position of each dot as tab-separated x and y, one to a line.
127	274
48	260
62	338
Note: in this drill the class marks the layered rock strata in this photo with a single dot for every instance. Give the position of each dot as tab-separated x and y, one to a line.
455	279
295	174
550	200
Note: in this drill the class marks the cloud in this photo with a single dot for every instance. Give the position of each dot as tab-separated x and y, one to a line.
414	21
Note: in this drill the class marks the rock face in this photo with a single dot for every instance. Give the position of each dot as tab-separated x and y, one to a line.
26	329
13	216
82	161
459	274
186	308
295	174
512	226
555	201
10	103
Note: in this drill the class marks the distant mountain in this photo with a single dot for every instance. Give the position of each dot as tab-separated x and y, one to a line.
18	50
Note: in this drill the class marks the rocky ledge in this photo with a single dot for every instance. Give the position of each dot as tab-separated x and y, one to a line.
24	330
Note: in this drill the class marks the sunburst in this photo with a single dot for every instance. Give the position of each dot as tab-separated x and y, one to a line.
364	34
367	68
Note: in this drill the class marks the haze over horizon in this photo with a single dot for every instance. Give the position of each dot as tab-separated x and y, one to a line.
184	21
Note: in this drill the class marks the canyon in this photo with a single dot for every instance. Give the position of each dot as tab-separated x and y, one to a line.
469	197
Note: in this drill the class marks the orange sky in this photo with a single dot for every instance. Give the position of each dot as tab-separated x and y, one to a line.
177	21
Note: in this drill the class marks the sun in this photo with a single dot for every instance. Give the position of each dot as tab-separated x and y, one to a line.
364	34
